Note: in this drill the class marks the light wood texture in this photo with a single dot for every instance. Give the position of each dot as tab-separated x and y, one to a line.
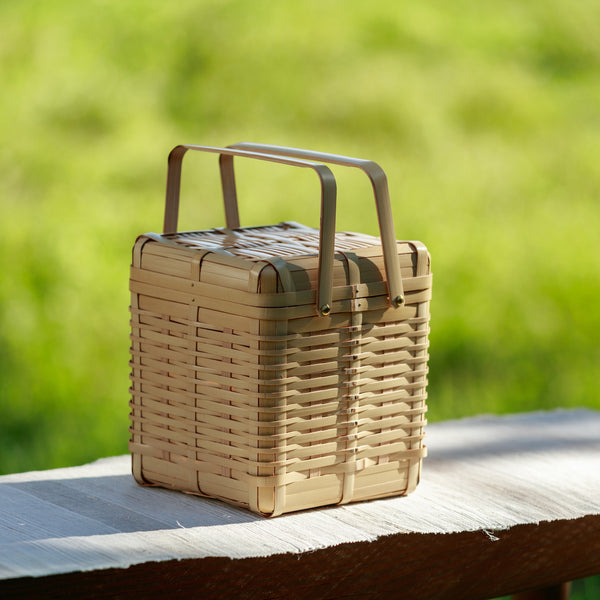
270	366
506	504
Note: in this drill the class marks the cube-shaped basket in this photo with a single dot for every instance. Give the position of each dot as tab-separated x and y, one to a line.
280	367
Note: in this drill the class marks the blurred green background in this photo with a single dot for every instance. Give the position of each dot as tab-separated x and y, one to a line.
486	117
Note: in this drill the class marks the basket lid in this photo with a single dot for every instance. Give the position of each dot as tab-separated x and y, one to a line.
285	240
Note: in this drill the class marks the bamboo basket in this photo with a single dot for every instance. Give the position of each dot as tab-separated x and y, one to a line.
280	367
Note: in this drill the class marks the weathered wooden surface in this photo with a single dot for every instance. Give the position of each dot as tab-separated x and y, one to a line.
505	504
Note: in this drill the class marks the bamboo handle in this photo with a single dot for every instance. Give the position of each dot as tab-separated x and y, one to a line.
378	180
328	205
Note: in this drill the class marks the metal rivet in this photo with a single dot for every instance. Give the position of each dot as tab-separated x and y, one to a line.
399	300
325	309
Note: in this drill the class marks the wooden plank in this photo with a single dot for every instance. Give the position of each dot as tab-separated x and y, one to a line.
467	565
493	491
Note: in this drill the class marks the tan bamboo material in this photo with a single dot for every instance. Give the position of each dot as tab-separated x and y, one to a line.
279	367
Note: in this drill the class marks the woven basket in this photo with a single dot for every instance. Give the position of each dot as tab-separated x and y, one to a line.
279	367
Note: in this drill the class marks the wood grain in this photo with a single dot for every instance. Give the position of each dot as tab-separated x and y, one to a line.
467	565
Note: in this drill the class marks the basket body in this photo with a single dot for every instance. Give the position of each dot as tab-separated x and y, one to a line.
242	391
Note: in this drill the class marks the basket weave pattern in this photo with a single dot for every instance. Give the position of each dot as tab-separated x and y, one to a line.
242	391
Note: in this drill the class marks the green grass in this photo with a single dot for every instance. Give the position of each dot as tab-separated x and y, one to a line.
485	118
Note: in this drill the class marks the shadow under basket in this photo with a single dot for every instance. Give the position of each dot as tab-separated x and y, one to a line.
280	367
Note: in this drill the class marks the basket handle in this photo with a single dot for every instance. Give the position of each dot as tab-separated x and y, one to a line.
328	205
379	182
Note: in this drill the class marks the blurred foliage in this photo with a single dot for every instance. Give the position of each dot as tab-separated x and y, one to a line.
486	117
581	589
